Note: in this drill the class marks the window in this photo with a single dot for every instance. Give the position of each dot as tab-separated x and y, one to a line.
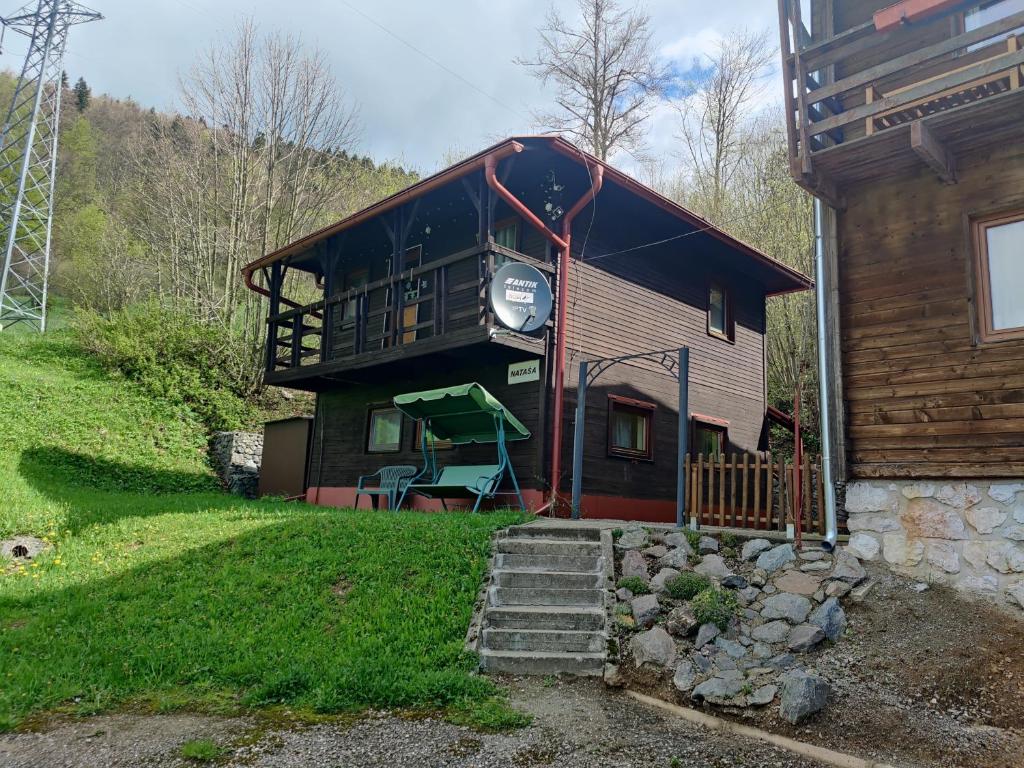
630	427
986	13
384	434
439	445
999	275
506	234
719	312
710	435
355	279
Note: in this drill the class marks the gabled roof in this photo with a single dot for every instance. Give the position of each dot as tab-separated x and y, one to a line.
796	280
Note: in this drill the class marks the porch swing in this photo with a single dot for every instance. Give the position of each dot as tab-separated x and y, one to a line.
463	414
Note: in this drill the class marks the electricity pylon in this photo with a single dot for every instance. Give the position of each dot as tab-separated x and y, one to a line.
28	158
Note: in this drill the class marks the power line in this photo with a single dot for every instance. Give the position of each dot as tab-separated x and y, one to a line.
431	59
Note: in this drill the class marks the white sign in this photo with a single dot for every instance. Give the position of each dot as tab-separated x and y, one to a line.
520	372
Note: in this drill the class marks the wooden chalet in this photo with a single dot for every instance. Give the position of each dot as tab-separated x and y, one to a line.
907	121
403	307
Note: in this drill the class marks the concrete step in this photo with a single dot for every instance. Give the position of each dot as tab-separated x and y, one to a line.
564	563
547	579
568	533
540	546
561	641
550	617
541	596
541	663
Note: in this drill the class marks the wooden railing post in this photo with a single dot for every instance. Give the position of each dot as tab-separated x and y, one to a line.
699	506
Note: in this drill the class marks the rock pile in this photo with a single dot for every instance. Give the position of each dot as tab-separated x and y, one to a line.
781	605
237	456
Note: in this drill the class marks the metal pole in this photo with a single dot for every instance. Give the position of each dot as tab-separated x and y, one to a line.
577	441
824	384
684	434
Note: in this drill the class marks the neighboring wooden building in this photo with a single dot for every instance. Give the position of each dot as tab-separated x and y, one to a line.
404	308
907	120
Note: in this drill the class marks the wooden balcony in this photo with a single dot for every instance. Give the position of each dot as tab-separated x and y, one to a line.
876	100
439	306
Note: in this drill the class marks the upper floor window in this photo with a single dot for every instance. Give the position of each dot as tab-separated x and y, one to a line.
384	434
986	13
999	275
356	279
506	234
719	311
630	428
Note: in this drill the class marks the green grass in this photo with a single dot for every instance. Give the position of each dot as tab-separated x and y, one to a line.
162	591
201	750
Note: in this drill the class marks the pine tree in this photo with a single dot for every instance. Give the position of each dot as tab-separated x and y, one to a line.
64	78
82	94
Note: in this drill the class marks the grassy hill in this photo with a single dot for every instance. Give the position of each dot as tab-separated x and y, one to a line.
160	590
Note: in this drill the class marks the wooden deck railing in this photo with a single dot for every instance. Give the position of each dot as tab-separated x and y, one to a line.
755	491
438	297
883	84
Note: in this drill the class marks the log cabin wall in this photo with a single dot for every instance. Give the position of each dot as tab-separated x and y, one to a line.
924	398
636	306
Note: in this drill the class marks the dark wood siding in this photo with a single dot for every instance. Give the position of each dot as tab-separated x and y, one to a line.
660	309
338	456
923	400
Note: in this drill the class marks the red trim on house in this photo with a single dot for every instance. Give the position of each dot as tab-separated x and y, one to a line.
593	506
909	11
715	422
346	497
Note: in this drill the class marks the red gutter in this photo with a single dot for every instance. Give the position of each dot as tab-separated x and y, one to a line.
564	244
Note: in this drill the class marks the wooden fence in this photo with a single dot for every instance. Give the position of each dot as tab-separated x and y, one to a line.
754	491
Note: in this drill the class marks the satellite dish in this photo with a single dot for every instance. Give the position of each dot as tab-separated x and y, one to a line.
520	297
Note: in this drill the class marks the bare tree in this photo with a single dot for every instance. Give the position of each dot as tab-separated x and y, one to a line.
607	75
715	117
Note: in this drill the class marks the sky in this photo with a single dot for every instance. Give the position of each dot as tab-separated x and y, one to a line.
411	109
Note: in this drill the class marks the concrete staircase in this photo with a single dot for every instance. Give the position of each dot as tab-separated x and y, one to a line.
545	609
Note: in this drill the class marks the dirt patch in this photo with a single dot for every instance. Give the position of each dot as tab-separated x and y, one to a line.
925	678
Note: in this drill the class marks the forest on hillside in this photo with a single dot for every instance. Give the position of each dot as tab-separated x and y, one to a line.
156	211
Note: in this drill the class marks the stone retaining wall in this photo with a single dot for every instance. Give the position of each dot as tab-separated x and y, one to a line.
966	535
236	456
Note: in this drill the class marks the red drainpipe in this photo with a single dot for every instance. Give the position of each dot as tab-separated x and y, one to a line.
563	243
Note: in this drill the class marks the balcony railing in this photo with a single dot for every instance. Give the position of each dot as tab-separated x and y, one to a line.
435	301
863	82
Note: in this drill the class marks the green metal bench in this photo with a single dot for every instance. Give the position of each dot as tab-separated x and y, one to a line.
463	414
391	481
461	482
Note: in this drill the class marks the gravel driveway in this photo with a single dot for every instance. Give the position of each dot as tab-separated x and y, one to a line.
576	723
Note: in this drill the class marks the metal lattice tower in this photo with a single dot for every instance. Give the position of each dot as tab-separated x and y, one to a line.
28	158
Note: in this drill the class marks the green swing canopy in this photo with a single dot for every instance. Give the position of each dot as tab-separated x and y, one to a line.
461	414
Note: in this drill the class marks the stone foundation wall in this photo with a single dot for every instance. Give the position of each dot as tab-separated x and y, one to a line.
236	456
966	535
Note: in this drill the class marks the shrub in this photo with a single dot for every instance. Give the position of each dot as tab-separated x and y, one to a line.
729	540
693	539
687	585
715	606
174	356
634	584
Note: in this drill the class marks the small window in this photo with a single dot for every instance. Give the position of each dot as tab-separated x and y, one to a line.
710	436
999	275
719	312
506	234
438	445
630	428
356	279
385	431
986	13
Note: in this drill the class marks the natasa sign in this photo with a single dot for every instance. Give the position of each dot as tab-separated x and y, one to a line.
525	371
